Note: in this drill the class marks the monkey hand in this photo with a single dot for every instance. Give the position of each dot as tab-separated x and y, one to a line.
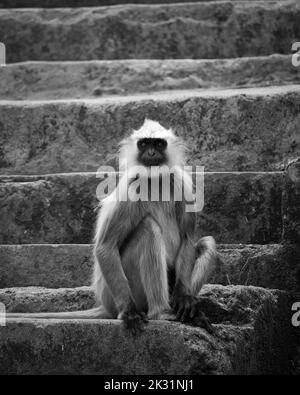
188	311
134	320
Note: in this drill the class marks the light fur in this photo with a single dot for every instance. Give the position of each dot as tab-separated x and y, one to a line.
161	237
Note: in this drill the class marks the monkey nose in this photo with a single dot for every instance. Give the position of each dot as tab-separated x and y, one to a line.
151	153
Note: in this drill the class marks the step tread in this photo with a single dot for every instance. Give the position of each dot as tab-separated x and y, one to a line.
39	299
163	96
61	80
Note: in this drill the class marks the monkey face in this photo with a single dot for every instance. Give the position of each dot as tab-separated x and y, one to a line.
152	151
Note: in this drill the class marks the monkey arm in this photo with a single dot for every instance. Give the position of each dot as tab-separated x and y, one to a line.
109	261
113	227
113	230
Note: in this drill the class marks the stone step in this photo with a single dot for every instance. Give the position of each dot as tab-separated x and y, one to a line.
60	209
87	3
238	129
252	335
48	265
38	299
68	266
90	79
193	30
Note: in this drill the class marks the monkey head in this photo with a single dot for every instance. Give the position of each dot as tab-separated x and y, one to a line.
152	151
152	145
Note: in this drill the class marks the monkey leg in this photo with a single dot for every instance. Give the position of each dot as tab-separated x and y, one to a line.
207	254
104	297
145	265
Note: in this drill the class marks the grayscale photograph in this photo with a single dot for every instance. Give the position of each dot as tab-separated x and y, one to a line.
149	190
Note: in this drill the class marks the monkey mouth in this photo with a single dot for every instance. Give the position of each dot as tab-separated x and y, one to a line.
153	164
149	161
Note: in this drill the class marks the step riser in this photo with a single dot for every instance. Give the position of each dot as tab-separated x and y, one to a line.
202	30
85	3
64	80
251	129
50	266
130	355
239	208
291	204
69	266
268	266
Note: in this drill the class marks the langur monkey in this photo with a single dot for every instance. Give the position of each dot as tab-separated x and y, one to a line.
145	256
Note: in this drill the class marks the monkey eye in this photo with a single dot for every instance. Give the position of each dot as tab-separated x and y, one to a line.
142	144
162	144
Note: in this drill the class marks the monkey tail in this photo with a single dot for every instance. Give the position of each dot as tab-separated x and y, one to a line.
96	313
207	250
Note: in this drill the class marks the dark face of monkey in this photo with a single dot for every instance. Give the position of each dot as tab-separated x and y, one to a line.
152	151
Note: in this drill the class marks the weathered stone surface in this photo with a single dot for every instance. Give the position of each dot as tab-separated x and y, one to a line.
268	266
297	360
86	348
291	203
259	342
61	80
66	266
59	209
195	30
244	207
36	300
239	208
236	305
242	129
84	3
52	266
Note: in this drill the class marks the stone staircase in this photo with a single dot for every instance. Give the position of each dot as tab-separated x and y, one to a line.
220	74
